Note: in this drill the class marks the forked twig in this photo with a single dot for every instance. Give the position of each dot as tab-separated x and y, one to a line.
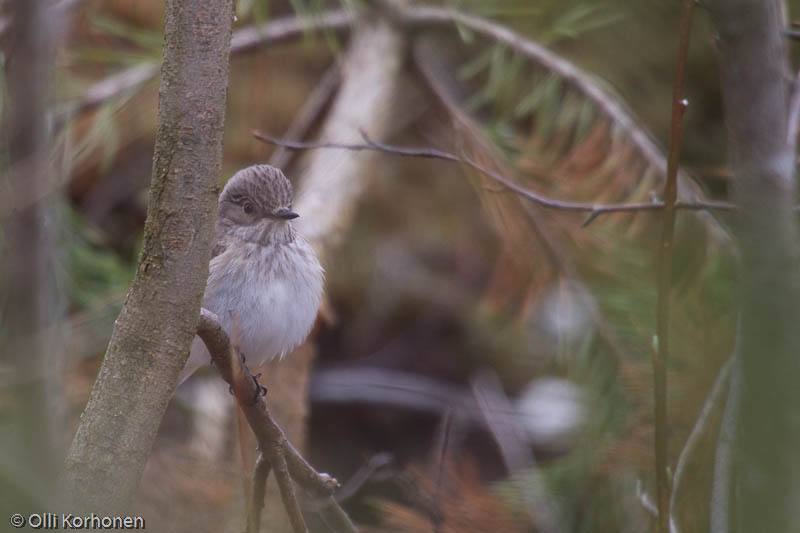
283	458
256	504
288	496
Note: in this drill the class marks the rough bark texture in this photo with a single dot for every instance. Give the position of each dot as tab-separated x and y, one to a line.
766	472
329	190
29	302
152	335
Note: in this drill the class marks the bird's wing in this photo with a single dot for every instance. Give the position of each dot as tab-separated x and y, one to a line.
220	244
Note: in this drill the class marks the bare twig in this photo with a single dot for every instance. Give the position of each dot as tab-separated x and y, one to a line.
794	113
373	468
723	458
700	427
243	40
518	458
610	106
260	475
443	440
278	460
310	111
665	252
431	153
112	86
650	507
282	456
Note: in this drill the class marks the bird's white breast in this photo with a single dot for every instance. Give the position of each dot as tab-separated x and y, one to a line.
266	297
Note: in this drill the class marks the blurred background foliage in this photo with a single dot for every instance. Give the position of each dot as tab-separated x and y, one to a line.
442	277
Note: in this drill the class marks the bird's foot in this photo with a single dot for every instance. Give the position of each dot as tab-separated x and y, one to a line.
261	390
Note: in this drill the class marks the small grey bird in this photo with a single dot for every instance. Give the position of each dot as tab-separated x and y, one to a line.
262	274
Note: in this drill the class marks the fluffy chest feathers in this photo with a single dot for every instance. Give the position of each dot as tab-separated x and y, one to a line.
271	292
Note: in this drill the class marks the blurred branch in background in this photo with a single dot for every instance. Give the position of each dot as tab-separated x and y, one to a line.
243	40
31	305
765	484
308	114
519	460
58	11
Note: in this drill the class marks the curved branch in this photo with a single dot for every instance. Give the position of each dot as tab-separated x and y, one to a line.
244	40
594	210
611	106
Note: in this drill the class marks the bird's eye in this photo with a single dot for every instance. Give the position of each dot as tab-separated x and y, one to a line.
248	208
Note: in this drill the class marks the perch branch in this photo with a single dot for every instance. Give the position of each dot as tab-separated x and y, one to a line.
431	153
665	253
282	456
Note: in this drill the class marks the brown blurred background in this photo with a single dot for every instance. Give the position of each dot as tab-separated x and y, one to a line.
445	298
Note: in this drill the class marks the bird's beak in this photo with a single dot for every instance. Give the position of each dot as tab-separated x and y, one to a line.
286	214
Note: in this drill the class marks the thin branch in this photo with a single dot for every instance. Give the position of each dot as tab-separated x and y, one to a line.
111	87
310	111
650	507
516	454
665	253
269	435
278	460
585	83
723	458
256	504
431	153
335	517
243	40
794	113
699	429
374	467
443	440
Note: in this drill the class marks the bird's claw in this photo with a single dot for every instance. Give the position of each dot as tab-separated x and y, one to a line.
261	390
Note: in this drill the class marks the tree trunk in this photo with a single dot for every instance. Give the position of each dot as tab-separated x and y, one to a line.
766	472
152	335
